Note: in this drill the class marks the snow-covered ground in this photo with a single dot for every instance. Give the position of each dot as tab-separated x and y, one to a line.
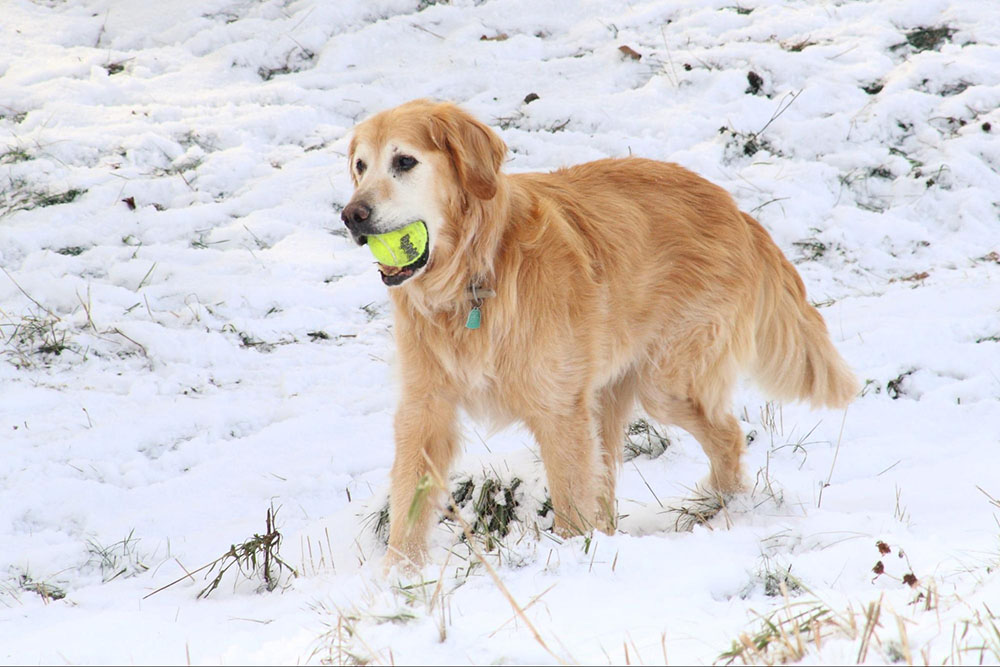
189	339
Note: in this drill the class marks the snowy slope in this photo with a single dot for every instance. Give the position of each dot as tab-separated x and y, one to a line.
189	339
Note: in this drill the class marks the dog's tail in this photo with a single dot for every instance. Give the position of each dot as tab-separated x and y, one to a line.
796	359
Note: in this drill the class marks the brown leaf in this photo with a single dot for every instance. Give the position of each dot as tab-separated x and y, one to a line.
910	580
130	202
883	548
499	37
630	52
879	568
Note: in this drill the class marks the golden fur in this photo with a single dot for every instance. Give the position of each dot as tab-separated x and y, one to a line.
617	282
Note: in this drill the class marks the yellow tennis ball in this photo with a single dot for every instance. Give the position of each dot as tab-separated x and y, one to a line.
401	247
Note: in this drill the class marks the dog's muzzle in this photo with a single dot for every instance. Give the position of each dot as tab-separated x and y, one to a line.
357	217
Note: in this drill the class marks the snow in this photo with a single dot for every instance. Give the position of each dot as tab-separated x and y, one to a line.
224	348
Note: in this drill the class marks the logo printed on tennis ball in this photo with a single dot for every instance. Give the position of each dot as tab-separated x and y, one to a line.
401	247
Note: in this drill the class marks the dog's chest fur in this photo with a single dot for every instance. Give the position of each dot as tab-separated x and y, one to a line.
508	369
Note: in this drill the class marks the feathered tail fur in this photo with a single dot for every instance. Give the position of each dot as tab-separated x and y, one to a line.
795	358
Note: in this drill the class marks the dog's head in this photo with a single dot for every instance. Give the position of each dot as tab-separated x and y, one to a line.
420	161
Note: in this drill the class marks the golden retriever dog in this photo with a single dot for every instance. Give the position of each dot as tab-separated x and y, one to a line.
595	288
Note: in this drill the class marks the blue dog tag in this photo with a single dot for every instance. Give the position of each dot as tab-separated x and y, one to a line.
474	319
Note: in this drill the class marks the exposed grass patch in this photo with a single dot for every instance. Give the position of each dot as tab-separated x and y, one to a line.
71	251
336	644
294	62
16	117
929	39
870	194
917	277
992	257
19	195
250	341
810	249
801	629
32	338
881	172
46	590
778	580
557	126
268	73
424	4
257	559
801	45
872	386
490	504
483	510
894	387
21	198
54	199
747	144
179	168
773	580
784	635
494	507
14	155
873	88
341	642
696	510
33	335
915	164
645	440
507	122
515	119
871	632
121	559
954	88
202	242
378	523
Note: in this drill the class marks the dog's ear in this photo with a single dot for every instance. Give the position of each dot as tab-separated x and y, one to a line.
350	160
476	150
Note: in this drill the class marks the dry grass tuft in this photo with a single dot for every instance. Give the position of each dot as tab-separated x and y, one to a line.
255	559
697	510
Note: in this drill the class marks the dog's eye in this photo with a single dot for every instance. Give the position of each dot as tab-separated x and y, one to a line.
359	166
404	162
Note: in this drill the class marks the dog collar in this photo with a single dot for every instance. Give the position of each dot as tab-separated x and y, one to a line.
476	294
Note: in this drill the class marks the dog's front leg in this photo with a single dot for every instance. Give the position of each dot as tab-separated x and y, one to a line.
568	444
426	443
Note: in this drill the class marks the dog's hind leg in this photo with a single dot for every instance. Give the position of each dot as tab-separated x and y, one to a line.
716	431
689	382
721	438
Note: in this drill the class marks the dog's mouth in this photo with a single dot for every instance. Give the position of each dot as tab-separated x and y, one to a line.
397	275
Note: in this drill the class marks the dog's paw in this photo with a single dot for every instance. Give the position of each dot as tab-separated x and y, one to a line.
727	488
405	560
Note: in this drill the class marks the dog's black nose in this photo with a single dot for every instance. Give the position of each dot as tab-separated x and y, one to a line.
355	214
